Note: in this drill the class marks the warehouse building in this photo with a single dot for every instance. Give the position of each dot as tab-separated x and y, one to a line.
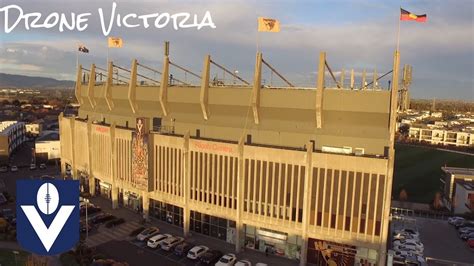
306	172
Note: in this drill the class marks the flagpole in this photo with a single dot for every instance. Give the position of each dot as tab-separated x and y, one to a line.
398	34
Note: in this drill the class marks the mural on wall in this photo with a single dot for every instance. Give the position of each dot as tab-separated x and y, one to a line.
322	252
140	154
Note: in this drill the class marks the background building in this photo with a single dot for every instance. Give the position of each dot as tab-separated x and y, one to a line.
463	196
305	172
47	146
451	175
12	135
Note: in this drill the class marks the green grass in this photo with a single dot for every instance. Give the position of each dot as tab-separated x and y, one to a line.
418	170
7	258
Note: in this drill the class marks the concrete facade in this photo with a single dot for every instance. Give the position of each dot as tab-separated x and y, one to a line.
248	154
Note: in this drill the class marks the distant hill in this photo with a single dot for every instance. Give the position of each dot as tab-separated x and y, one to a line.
21	81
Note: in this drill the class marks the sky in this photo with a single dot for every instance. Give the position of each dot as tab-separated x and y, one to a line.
358	34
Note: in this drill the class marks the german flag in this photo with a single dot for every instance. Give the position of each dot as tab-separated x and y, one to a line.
406	15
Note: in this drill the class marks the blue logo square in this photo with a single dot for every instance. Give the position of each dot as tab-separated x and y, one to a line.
47	215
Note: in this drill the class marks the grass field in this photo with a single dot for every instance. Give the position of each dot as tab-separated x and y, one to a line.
418	170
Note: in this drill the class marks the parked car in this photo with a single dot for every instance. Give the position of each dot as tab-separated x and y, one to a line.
197	252
415	260
412	232
470	242
458	223
147	233
13	168
243	263
418	245
227	259
156	240
3	169
8	214
43	166
102	218
465	230
90	210
464	224
115	222
171	242
47	177
404	236
182	249
32	166
452	220
210	257
410	249
467	236
401	255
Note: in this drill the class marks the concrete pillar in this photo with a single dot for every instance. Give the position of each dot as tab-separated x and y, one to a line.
63	168
89	172
186	185
257	83
306	202
319	89
146	205
115	193
239	236
92	185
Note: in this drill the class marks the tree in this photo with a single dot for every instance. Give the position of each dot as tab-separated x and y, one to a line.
403	196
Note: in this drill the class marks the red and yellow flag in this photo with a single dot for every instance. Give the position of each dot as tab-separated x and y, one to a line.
115	42
406	15
268	24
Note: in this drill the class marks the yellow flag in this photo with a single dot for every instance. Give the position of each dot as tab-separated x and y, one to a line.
268	24
115	42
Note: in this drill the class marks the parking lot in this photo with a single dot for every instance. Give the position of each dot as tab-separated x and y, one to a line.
126	248
442	241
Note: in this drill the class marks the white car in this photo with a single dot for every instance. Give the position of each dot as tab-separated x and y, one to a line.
404	236
196	252
32	166
415	260
465	230
171	242
243	263
409	242
3	169
14	169
452	220
410	249
227	259
401	255
412	232
154	241
149	232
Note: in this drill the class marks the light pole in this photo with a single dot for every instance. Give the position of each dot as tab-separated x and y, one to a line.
14	254
87	220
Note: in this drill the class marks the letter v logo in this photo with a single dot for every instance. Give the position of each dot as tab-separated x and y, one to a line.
48	235
48	215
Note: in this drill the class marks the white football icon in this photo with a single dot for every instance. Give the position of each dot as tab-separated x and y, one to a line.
47	198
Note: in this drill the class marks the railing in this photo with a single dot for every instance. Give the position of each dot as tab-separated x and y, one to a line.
164	129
